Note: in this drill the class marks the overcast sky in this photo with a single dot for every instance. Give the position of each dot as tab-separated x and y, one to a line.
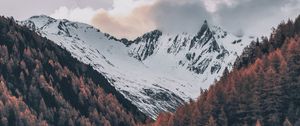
131	18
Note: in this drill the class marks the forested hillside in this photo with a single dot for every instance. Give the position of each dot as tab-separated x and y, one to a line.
41	84
262	90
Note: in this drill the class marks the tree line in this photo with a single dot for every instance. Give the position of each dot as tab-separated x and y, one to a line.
263	89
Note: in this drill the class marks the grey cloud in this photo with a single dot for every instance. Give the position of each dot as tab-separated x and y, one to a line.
256	17
174	16
252	17
171	16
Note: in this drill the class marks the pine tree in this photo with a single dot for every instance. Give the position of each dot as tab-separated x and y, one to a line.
222	119
211	121
257	123
297	123
225	74
287	122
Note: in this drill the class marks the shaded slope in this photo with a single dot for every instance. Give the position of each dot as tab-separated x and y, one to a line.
47	83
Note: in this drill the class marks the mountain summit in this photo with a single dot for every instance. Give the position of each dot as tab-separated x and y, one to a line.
157	71
262	90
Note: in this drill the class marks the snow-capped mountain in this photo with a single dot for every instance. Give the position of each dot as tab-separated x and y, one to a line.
157	71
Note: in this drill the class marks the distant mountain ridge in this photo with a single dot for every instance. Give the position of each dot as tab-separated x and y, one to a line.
157	71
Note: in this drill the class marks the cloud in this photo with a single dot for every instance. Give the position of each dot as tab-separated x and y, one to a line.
84	15
129	26
23	9
256	17
171	16
132	18
213	5
176	17
127	18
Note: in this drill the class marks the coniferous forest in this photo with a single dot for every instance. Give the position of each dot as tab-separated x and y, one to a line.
263	89
42	84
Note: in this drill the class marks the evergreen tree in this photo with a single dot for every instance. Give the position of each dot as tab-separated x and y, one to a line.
287	122
211	121
222	119
258	123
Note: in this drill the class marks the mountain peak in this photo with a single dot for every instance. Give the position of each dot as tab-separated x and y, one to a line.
144	46
204	27
149	36
41	17
154	33
205	21
203	36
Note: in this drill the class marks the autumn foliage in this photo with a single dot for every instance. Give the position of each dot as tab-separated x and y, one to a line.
41	84
263	89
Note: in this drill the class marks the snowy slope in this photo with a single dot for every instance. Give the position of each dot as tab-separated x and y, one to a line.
156	71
